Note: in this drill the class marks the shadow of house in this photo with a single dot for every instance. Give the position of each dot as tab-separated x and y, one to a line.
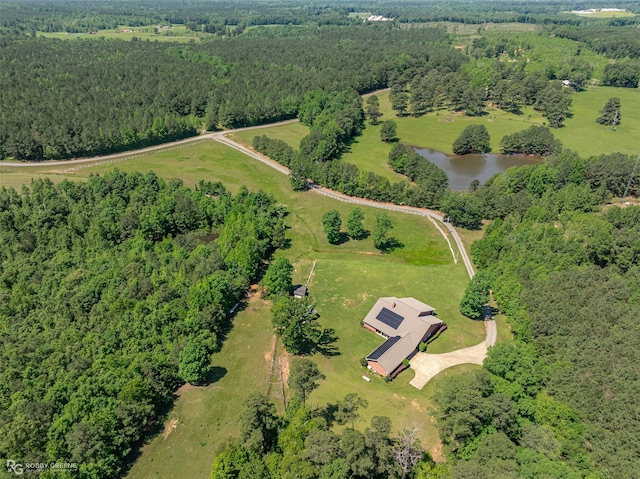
405	323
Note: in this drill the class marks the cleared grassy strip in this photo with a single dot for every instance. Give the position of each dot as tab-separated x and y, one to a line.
178	33
605	14
203	418
291	133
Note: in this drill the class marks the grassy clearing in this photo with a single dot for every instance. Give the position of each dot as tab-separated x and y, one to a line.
204	418
291	133
464	34
177	33
604	14
584	135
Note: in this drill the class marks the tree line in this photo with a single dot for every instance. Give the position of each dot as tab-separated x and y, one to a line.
115	291
422	89
334	123
301	443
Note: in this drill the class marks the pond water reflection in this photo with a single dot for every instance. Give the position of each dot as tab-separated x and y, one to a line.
462	170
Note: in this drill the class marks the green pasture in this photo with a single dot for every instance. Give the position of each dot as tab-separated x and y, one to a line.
177	33
204	418
464	34
291	133
584	135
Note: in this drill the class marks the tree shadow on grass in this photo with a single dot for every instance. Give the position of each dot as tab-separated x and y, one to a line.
328	413
326	343
390	245
344	238
365	234
215	374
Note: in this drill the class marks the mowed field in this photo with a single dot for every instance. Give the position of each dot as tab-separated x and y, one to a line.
177	33
347	281
439	130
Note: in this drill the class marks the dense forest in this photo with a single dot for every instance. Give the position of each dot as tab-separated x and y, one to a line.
74	16
97	96
566	272
113	292
91	97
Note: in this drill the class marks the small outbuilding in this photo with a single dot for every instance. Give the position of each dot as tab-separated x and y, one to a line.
405	323
300	292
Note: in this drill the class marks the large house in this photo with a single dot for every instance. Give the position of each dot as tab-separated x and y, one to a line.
405	322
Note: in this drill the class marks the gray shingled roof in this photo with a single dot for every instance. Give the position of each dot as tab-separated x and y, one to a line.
404	338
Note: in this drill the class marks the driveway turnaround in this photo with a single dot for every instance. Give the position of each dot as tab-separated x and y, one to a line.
426	365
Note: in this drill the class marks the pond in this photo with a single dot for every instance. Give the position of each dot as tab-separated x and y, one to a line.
462	170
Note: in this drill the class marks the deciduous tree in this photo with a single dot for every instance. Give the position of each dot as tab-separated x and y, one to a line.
372	110
355	228
384	224
277	280
388	131
473	139
331	222
463	209
194	362
303	377
294	320
258	423
610	113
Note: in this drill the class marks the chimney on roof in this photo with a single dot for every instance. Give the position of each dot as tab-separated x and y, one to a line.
394	305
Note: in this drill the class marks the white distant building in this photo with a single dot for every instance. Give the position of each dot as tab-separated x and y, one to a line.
596	10
379	18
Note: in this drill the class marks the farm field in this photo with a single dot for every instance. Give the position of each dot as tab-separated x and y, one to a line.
439	130
604	14
177	33
347	281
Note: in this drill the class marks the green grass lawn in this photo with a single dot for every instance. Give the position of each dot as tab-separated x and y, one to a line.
291	133
584	135
204	418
